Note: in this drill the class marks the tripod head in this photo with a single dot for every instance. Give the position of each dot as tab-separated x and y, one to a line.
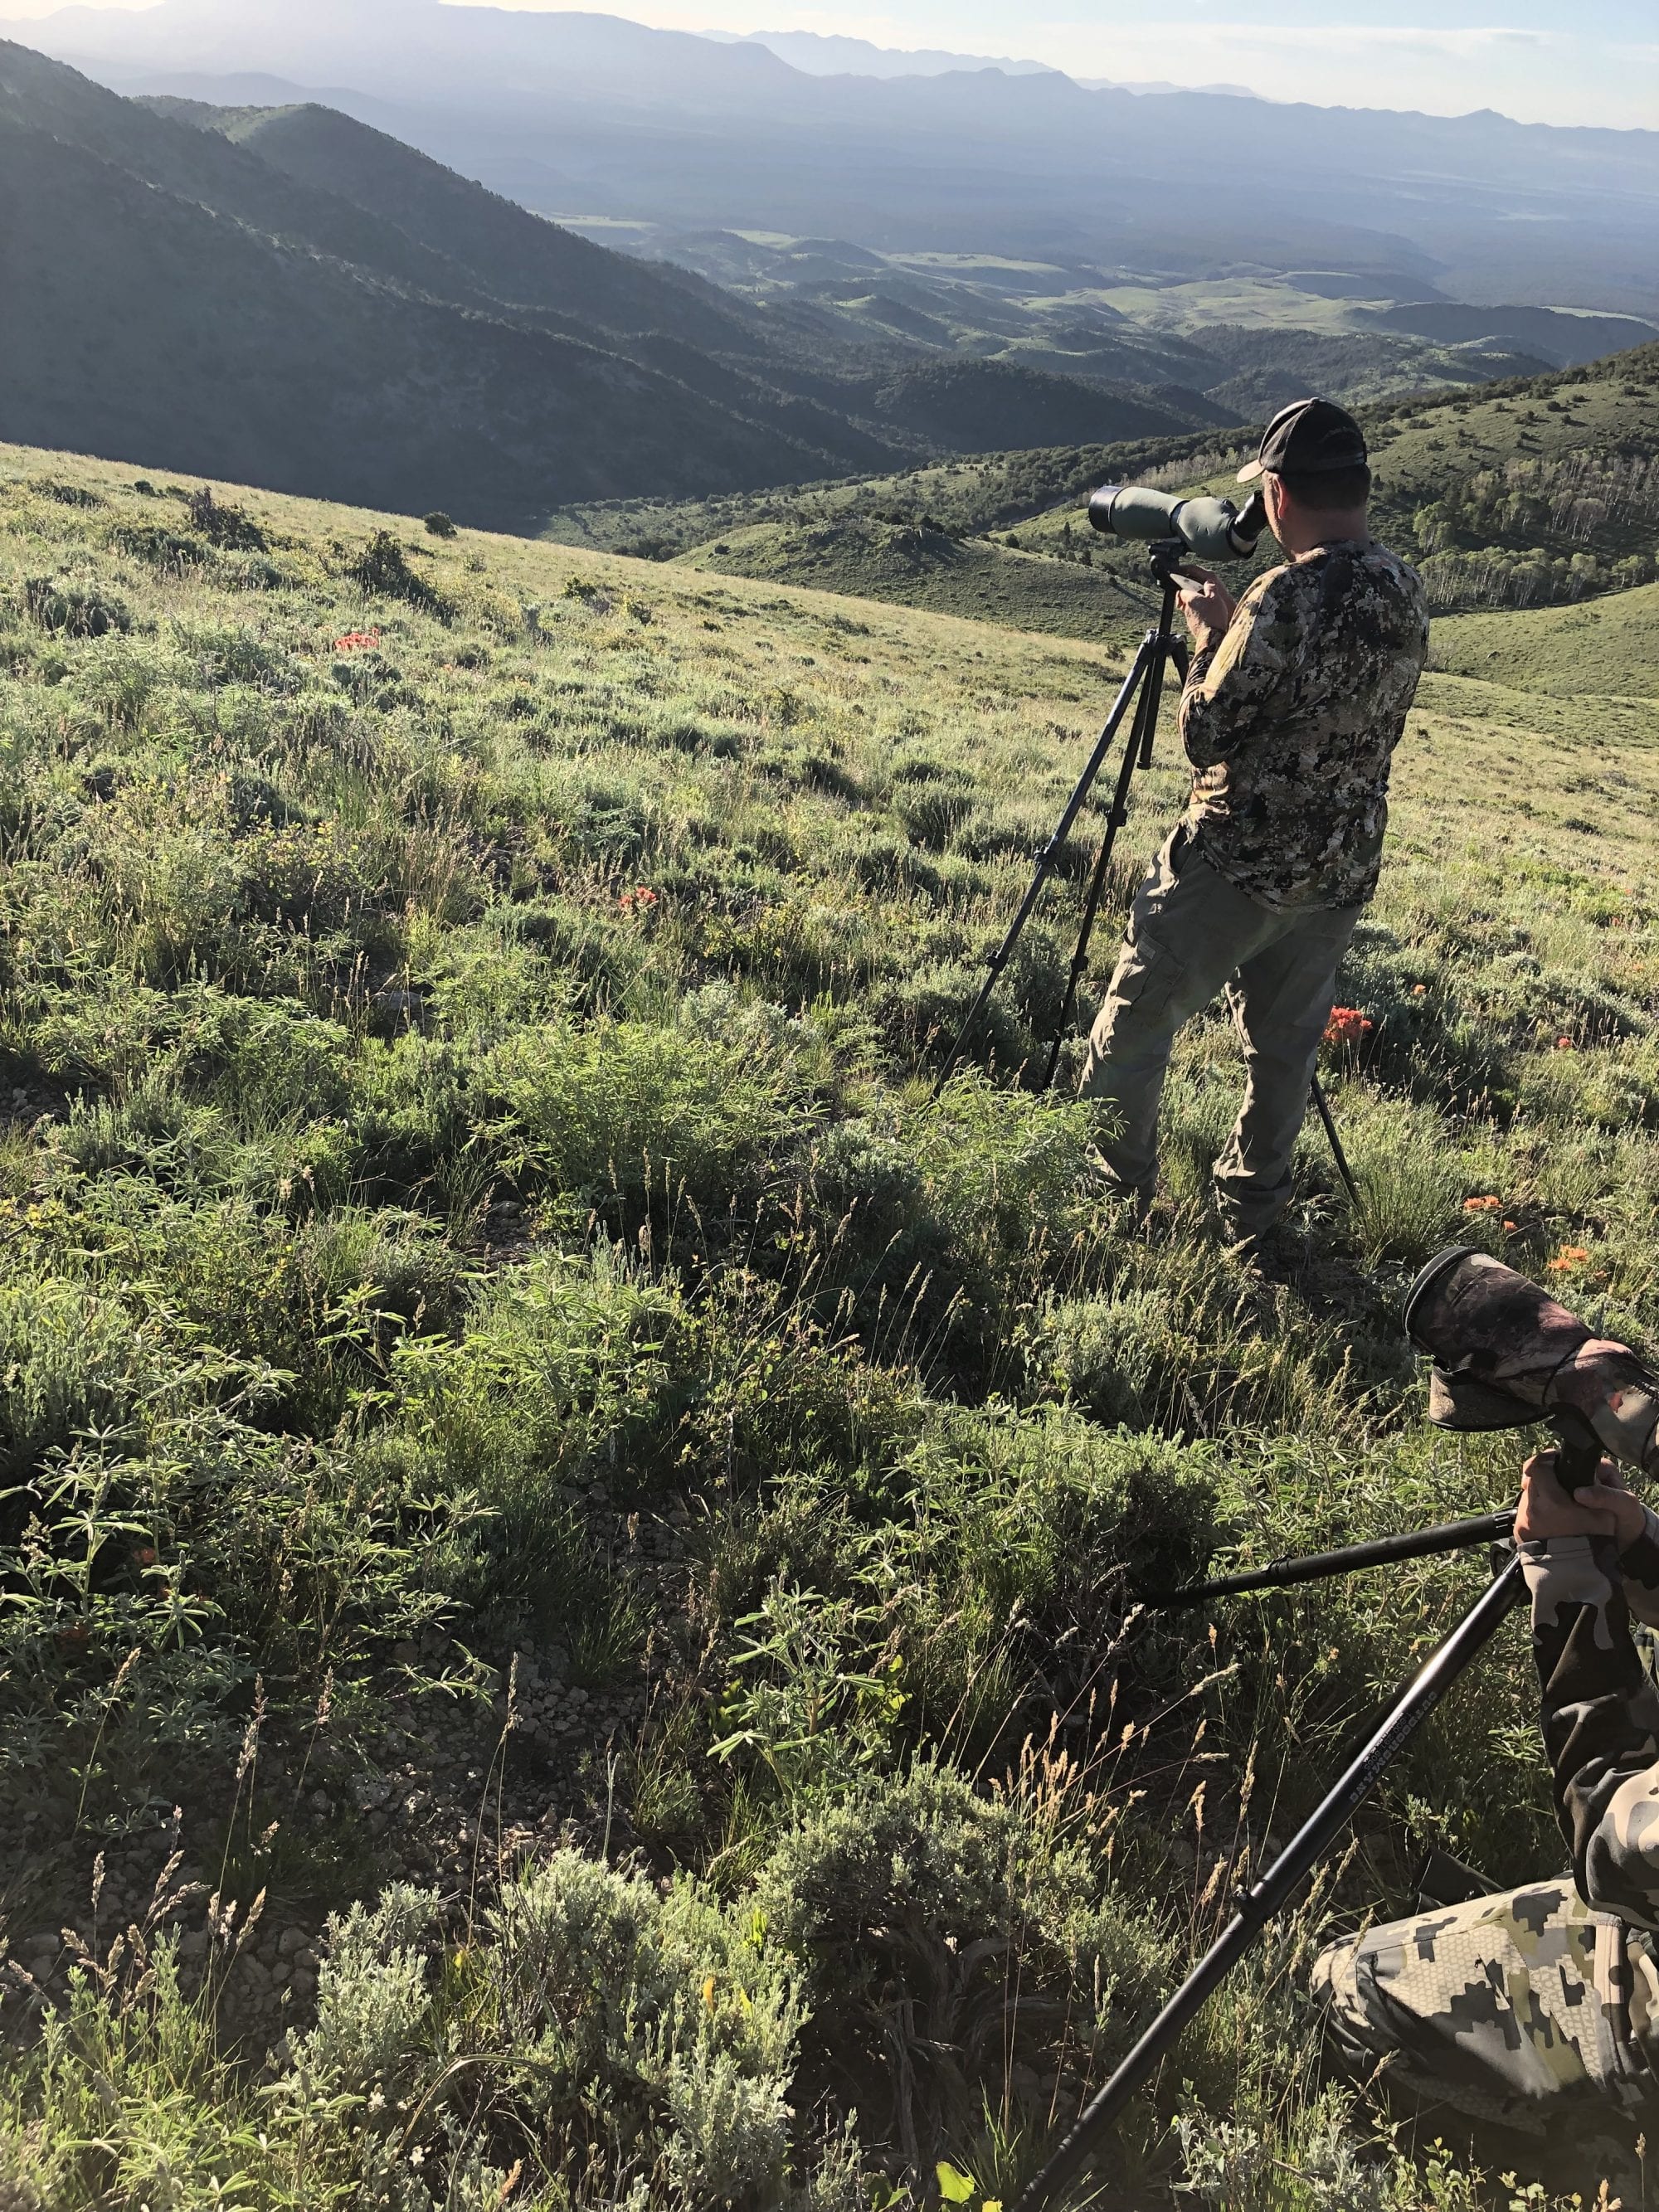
1164	557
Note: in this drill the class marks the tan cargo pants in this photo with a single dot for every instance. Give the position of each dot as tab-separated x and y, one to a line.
1191	935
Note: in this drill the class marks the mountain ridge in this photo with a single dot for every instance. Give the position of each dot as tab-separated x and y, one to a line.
1495	208
291	296
303	366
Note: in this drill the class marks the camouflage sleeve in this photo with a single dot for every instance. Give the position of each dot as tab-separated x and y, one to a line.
1639	1566
1601	1719
1230	687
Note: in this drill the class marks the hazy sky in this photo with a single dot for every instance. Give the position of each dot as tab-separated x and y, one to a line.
1562	61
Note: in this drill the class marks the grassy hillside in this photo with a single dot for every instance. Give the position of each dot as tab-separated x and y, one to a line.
1523	493
1543	490
525	1430
1604	645
963	497
914	565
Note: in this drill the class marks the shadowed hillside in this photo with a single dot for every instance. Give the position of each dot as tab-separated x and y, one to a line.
509	255
214	313
294	296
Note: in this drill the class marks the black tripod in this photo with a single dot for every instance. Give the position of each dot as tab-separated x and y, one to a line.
1143	689
1257	1906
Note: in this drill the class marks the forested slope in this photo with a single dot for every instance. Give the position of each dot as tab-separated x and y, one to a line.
1527	493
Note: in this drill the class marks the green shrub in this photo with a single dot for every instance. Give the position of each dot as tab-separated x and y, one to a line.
221	523
622	1114
66	610
595	2024
169	552
917	1910
382	571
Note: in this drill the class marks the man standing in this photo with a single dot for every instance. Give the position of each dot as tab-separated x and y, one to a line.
1296	698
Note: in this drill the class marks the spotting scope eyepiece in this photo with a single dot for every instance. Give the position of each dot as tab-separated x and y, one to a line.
1505	1353
1213	529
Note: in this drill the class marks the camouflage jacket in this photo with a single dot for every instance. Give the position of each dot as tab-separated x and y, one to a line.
1601	1729
1291	721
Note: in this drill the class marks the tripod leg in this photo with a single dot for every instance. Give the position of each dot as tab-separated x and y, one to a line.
1139	750
1259	1902
1337	1153
1050	855
1381	1551
1115	822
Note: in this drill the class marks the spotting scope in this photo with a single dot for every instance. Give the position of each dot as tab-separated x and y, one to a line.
1213	529
1506	1353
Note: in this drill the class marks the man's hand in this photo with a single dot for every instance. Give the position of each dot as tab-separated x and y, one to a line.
1602	1508
1207	604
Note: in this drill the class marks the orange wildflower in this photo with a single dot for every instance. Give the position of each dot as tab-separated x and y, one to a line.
1347	1026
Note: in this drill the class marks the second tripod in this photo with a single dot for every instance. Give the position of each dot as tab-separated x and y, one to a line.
1142	691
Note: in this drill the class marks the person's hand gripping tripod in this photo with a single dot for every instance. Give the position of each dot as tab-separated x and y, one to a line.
1505	1356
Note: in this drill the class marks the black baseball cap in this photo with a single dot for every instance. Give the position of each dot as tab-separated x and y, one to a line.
1308	438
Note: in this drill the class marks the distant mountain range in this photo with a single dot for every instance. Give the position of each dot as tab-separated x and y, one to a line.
817	54
820	55
259	285
294	298
583	114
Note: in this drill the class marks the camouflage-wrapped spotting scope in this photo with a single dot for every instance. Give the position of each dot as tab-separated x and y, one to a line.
1505	1353
1212	529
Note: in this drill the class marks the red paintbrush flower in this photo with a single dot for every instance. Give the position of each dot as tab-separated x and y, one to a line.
1348	1026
